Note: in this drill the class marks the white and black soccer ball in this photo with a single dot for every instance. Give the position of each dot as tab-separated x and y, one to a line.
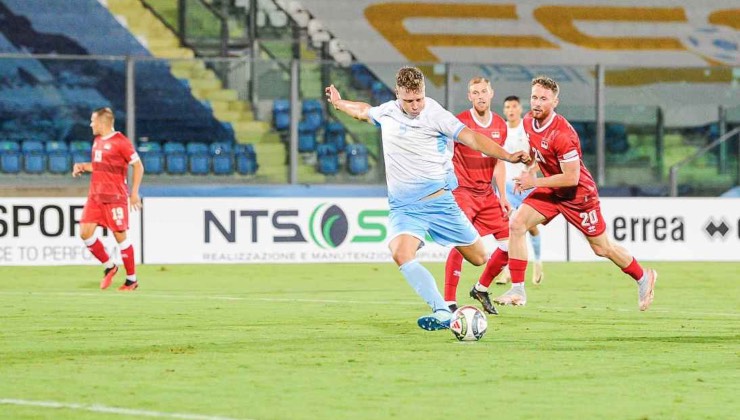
468	323
717	43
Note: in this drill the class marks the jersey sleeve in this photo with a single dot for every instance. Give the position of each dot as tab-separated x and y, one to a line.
375	113
567	147
128	152
446	123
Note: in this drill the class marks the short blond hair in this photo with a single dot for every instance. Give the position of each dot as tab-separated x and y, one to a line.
547	83
106	114
410	78
479	79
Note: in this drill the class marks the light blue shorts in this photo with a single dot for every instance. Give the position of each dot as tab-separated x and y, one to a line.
515	199
440	217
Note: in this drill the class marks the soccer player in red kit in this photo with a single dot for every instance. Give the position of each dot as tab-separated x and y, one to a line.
475	195
108	200
566	188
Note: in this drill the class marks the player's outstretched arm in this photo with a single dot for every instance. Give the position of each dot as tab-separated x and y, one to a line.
483	144
357	110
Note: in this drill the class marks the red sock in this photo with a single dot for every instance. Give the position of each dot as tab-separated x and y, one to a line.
98	251
495	264
634	270
128	260
517	268
452	274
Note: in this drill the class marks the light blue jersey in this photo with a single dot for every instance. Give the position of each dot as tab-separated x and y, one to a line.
418	162
417	151
516	141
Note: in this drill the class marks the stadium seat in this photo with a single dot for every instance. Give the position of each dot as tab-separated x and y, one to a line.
80	146
361	77
246	164
34	162
59	162
335	134
380	92
223	163
173	147
616	138
148	146
32	146
281	114
246	149
306	137
79	156
10	162
328	159
176	163
195	147
200	164
153	162
357	159
56	146
218	148
313	113
9	146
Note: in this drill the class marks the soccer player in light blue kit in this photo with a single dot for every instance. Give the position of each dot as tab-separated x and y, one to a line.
420	176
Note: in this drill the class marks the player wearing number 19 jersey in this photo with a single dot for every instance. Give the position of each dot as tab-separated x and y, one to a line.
108	199
566	188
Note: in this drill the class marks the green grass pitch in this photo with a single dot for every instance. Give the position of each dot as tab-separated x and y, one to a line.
340	341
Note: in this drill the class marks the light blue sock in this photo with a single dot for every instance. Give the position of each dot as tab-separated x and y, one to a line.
422	281
537	248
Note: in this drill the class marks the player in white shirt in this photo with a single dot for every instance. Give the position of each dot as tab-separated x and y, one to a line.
517	140
416	133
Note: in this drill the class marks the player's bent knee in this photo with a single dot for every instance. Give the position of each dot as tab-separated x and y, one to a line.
600	251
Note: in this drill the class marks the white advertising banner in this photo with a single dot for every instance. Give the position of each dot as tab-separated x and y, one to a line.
45	231
284	230
668	229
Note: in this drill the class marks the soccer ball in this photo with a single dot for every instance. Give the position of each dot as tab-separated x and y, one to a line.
469	323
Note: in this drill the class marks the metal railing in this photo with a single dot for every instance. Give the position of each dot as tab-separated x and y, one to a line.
677	167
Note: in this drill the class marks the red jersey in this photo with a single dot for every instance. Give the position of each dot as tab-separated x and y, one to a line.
111	156
474	170
554	143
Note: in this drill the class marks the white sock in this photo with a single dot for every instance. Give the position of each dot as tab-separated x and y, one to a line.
109	263
132	277
481	288
518	286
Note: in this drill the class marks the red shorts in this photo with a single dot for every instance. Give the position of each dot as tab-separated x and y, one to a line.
484	211
584	213
113	216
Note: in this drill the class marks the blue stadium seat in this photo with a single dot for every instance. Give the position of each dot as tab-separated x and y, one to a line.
79	156
306	137
153	162
148	146
9	146
246	164
59	162
381	94
32	146
328	159
10	162
176	163
616	138
361	76
173	147
223	163
246	149
313	113
357	159
196	147
217	148
200	164
80	146
281	114
34	162
56	146
335	134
